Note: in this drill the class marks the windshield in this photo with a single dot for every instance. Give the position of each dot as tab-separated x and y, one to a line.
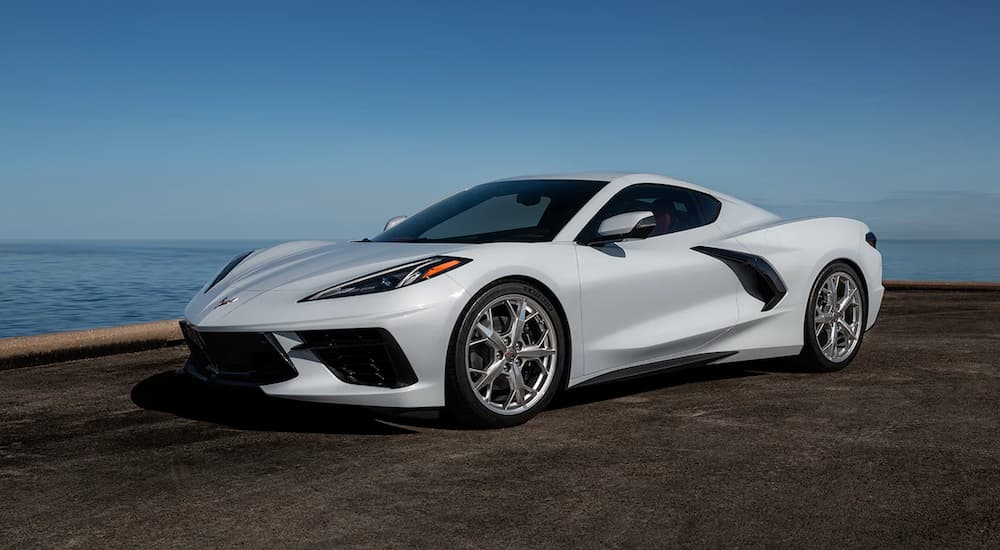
525	211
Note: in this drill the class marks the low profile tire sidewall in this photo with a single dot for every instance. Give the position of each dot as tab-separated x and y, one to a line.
460	401
812	356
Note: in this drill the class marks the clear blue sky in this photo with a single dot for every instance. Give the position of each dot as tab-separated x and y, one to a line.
318	119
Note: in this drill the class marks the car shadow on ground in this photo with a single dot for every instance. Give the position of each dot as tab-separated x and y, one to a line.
251	409
675	377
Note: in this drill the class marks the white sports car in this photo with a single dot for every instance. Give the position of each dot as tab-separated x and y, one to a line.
491	301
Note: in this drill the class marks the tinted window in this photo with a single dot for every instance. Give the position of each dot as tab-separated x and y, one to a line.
496	214
503	211
708	205
675	208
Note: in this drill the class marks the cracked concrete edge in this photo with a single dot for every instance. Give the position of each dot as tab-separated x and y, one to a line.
26	351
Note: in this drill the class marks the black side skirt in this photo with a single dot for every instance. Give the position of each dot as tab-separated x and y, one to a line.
653	368
758	277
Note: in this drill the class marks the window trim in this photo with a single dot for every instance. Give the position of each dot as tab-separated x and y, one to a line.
581	237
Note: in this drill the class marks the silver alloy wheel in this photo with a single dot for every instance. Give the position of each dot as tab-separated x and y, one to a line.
510	354
838	316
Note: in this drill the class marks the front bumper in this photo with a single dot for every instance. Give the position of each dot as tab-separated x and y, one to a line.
367	357
413	329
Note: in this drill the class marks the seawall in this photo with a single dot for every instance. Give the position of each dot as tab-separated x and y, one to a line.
26	351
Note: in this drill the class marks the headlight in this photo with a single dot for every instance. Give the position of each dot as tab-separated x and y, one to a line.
228	269
392	278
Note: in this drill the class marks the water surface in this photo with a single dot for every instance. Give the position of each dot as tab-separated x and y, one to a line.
48	286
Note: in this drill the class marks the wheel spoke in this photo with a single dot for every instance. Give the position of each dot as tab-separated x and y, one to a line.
490	375
541	365
543	337
828	347
520	315
535	352
511	308
823	318
832	282
493	337
510	399
847	301
518	385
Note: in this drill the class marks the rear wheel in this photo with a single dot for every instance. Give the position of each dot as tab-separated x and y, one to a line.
835	319
506	359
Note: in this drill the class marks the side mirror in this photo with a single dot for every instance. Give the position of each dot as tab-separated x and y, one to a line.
393	222
630	225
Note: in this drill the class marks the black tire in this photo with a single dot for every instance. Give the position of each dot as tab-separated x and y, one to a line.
462	403
812	357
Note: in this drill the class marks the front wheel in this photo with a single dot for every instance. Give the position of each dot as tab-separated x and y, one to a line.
507	357
835	319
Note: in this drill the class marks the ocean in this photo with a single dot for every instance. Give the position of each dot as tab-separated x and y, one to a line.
49	286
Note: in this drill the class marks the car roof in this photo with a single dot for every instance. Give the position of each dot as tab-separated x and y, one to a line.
620	180
581	176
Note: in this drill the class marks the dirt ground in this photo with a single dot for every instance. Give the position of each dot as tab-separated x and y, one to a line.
902	449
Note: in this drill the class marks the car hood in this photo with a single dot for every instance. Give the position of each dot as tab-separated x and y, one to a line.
311	266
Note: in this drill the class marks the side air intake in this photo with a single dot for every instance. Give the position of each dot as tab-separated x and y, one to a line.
758	277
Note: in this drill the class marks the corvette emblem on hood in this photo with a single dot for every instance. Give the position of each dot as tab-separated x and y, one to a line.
225	301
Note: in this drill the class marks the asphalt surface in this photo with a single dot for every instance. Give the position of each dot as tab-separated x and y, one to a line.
902	449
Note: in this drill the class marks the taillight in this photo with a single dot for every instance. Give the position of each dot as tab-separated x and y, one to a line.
871	239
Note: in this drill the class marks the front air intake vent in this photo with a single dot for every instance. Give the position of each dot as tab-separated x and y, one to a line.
250	358
368	357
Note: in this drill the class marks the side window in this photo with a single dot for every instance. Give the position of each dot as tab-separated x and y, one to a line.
709	206
675	208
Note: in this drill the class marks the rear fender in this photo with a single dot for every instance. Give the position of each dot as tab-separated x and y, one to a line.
800	249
